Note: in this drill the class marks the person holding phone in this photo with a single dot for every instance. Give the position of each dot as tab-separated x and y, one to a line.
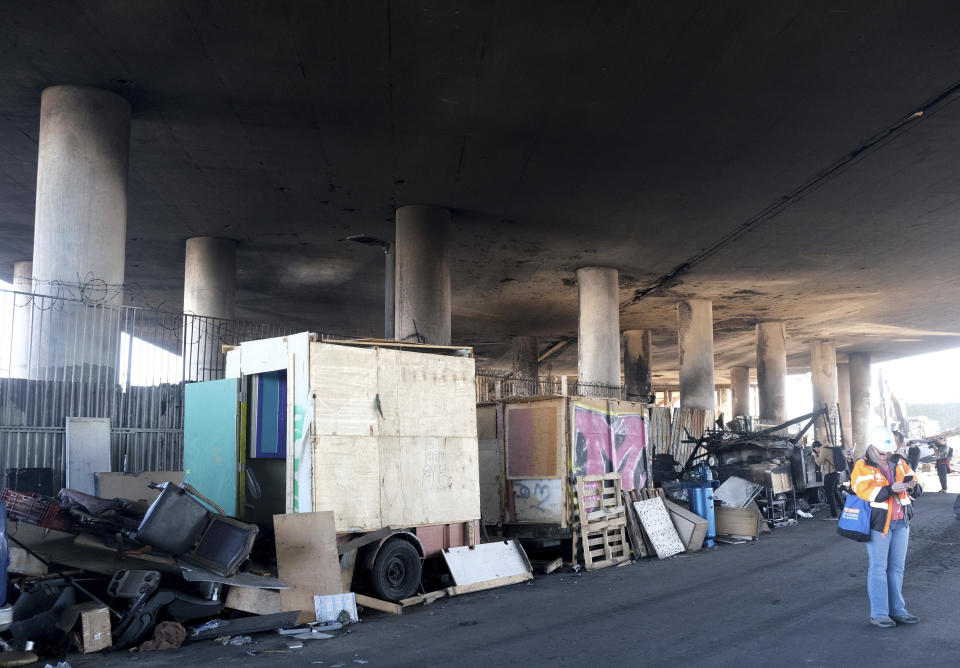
885	480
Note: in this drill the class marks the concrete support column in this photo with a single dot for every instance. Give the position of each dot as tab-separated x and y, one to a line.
772	371
637	374
823	375
22	317
843	398
389	274
422	286
695	335
598	346
859	401
524	350
209	297
725	396
80	228
740	384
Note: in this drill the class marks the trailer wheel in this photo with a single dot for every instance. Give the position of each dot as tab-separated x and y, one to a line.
817	495
396	570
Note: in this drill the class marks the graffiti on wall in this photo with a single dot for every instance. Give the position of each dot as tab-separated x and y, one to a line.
606	441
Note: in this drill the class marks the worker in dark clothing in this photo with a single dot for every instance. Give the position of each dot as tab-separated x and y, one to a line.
913	456
943	461
824	459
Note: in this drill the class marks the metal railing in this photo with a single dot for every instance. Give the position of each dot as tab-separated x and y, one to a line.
64	356
493	384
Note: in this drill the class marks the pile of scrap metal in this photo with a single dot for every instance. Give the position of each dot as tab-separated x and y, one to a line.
89	573
779	463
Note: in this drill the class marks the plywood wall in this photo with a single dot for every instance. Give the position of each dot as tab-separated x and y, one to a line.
491	460
395	437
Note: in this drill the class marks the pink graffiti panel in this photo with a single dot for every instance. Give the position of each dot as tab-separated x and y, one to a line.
605	443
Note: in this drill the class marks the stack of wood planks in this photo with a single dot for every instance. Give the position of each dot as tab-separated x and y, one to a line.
603	521
660	421
694	421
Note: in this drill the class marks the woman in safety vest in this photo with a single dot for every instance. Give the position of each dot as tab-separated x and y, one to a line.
885	480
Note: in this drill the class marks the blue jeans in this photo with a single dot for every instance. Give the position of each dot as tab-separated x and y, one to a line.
885	575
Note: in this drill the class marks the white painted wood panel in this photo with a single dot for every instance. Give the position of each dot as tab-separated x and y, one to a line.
659	527
487	561
87	452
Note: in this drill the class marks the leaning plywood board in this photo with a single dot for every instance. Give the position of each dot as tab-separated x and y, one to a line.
256	601
428	480
490	458
658	527
346	478
343	381
535	439
87	451
488	561
306	560
691	528
134	486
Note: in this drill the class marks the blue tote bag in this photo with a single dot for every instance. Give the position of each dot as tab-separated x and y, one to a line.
854	521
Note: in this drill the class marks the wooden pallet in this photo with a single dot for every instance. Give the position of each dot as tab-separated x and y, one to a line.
603	520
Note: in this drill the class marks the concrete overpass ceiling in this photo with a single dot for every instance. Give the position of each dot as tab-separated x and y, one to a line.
632	135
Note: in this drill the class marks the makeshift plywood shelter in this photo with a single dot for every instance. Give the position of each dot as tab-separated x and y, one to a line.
381	434
544	442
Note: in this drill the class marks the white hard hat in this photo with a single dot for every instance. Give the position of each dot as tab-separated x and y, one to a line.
882	439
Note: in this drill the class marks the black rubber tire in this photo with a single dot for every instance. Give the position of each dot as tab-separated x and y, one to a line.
817	495
396	570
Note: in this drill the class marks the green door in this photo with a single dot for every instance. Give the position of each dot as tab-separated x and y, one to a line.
211	443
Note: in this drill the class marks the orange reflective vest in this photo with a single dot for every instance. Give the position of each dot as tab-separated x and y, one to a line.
869	483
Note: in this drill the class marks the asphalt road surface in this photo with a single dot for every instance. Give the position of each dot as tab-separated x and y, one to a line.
797	597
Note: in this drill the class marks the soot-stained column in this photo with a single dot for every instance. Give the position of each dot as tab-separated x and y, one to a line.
859	401
598	346
695	335
772	371
524	351
209	298
823	376
422	286
637	373
740	384
79	238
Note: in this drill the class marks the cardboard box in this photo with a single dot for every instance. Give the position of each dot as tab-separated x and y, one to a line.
743	522
691	527
95	630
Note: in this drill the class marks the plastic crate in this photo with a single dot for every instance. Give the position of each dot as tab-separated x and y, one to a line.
34	509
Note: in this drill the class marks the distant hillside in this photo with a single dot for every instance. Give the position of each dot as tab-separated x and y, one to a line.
948	415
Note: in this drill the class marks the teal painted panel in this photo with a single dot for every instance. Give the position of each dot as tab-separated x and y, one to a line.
210	445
